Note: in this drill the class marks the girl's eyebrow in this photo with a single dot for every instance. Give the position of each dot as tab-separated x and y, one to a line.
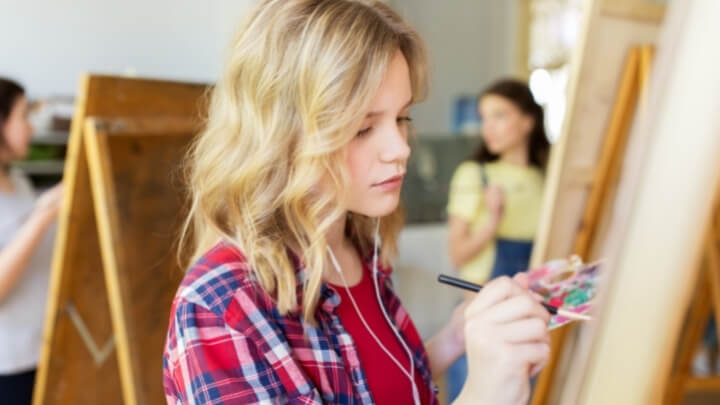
374	113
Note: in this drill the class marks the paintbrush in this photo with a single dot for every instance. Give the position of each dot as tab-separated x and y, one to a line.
466	285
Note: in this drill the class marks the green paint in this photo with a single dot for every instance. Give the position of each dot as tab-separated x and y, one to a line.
576	297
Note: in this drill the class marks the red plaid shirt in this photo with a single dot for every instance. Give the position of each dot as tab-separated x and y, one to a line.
228	344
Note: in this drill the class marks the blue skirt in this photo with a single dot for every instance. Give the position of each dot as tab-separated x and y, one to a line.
511	257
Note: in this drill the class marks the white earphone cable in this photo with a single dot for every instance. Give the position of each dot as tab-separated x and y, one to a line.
416	395
411	374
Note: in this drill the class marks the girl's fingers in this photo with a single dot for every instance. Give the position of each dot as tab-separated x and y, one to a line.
537	368
531	330
493	293
532	353
516	308
522	279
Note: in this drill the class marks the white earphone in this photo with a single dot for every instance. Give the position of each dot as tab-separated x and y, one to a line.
410	375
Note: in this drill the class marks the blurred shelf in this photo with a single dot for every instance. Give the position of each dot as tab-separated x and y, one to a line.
51	138
41	167
429	171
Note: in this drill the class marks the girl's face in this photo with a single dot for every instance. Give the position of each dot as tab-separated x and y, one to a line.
17	131
504	126
378	154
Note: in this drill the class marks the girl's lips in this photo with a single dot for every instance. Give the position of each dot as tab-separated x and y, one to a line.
392	183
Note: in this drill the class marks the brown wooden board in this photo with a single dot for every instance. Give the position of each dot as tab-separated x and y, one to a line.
110	209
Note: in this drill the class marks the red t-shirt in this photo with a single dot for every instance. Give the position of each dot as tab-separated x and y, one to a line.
388	384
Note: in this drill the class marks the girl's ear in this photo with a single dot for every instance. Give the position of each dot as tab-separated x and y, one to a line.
528	123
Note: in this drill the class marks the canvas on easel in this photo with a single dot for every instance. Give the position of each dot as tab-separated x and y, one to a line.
606	174
656	233
587	160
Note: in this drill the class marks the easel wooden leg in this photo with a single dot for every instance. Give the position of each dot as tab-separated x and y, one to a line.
708	299
98	156
695	327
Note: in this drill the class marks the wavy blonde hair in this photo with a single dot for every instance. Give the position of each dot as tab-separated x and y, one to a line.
268	171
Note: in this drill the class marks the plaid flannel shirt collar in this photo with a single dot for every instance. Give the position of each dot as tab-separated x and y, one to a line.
329	299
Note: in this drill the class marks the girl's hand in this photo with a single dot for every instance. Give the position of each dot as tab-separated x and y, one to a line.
48	204
495	201
457	321
507	340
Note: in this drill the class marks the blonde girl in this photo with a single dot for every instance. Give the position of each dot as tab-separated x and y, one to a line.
294	220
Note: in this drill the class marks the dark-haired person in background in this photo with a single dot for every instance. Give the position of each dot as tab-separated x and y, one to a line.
495	197
26	242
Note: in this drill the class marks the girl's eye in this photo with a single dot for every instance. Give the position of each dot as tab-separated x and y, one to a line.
364	131
403	119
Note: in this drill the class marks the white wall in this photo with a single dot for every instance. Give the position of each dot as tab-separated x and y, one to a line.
471	43
422	257
47	44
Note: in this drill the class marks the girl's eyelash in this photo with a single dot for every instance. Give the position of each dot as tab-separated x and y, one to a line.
364	131
399	119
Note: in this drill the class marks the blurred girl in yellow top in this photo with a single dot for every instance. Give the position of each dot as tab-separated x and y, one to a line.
495	197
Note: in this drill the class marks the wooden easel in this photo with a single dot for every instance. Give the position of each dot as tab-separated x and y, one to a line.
114	269
633	84
654	237
705	302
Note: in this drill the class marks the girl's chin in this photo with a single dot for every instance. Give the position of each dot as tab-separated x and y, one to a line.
379	207
495	149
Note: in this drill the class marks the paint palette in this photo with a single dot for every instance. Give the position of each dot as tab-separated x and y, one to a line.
569	284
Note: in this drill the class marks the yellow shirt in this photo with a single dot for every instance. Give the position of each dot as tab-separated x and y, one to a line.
523	187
